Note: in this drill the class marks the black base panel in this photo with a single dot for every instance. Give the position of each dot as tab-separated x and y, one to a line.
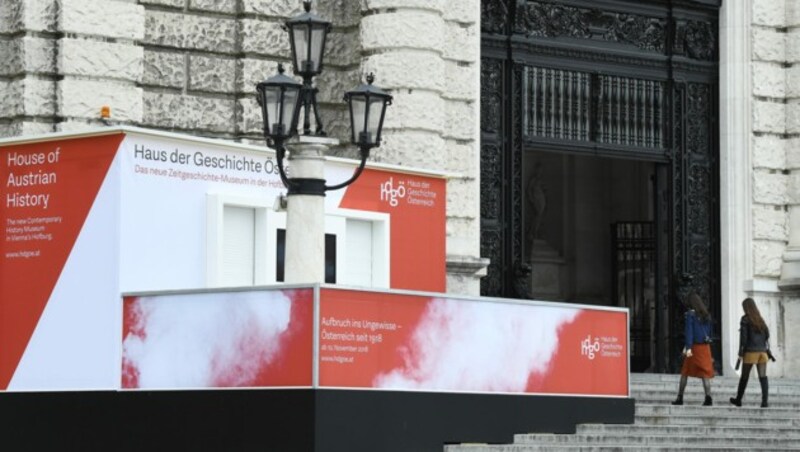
287	420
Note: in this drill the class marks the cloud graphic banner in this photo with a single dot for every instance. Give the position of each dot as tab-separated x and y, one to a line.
218	339
372	340
408	342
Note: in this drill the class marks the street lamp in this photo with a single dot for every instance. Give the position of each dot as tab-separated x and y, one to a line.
367	105
307	36
281	99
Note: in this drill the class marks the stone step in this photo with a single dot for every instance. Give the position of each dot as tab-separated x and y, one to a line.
696	387
689	430
747	403
718	411
673	380
615	447
760	442
789	393
750	393
734	421
636	378
720	401
660	426
716	394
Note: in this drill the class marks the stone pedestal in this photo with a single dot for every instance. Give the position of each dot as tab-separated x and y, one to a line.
305	214
790	268
546	272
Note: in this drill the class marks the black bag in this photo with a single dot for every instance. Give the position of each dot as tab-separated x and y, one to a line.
769	355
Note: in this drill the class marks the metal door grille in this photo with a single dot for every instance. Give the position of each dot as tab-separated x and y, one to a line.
564	104
634	267
630	111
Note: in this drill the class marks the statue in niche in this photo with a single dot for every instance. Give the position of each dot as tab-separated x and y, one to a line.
536	197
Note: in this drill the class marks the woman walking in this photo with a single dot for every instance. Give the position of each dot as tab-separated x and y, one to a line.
753	350
697	360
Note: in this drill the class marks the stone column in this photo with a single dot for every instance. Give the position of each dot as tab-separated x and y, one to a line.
305	214
789	283
790	269
426	53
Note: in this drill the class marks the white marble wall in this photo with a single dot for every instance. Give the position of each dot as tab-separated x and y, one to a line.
761	42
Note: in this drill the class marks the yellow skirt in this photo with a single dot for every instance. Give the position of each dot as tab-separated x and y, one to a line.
755	358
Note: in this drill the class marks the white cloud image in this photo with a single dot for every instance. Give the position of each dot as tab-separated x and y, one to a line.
472	346
200	340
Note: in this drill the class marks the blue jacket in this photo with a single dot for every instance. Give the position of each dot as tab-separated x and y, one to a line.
695	331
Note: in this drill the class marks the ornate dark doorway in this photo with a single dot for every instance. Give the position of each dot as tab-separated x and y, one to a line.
632	81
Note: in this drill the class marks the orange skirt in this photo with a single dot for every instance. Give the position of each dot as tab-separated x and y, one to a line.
700	364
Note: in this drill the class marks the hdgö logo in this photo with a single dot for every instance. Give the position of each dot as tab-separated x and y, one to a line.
391	194
589	348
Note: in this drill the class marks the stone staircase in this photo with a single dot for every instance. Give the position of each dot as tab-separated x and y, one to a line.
660	426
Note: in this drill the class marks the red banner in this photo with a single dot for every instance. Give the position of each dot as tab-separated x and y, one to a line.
218	339
417	208
49	189
409	342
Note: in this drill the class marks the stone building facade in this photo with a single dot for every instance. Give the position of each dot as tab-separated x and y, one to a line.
190	66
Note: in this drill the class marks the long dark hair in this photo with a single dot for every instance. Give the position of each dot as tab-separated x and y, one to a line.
696	303
751	311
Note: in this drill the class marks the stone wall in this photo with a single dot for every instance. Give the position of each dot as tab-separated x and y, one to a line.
775	157
203	58
770	137
191	66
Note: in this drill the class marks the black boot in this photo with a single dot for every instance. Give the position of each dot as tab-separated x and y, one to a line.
740	390
681	388
764	391
708	401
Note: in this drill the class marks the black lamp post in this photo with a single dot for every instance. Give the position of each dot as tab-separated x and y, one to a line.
367	105
307	36
281	98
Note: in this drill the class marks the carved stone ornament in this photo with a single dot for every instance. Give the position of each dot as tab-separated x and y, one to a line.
491	181
692	169
551	20
492	283
696	40
644	32
523	282
491	85
517	191
494	15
